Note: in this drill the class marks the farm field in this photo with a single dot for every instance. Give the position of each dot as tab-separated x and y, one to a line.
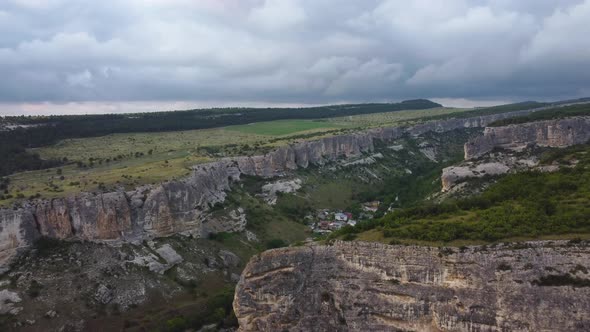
132	159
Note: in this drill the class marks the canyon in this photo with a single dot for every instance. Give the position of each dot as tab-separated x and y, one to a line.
358	286
183	206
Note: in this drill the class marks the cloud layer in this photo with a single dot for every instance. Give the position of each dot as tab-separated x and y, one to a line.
291	51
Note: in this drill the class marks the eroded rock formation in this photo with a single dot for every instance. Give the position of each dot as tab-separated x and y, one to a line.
182	206
551	133
355	286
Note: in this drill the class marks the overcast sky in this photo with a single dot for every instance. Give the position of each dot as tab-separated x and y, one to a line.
81	56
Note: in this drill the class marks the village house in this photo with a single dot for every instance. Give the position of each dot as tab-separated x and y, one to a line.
340	217
371	206
336	225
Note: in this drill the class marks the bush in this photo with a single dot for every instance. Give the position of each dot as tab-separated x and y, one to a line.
275	243
221	236
34	289
349	237
176	324
46	246
562	280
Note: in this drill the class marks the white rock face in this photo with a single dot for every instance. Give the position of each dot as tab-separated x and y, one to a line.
169	255
552	133
270	190
454	174
429	153
8	301
364	161
251	236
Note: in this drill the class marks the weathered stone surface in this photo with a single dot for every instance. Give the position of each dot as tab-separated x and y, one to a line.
182	206
17	231
8	302
270	190
552	133
169	254
229	259
355	286
453	174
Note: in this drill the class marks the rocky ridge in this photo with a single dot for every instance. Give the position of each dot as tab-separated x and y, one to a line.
551	133
356	286
181	206
514	139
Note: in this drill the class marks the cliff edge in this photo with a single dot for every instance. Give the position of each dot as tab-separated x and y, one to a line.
356	286
551	133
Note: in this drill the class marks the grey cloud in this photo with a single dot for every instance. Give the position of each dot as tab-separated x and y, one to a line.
292	51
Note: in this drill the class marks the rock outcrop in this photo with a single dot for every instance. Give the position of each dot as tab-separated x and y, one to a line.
551	133
355	286
182	206
451	175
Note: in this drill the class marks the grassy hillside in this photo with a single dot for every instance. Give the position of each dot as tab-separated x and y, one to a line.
283	127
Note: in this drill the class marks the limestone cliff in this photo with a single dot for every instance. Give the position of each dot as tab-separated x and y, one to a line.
453	174
355	286
182	206
551	133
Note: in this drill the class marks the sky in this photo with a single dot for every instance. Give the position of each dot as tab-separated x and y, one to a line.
79	56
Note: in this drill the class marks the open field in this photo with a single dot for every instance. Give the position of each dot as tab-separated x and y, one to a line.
114	145
391	118
284	127
134	159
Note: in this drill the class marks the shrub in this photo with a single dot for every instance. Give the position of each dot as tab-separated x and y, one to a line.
349	237
176	324
275	243
561	280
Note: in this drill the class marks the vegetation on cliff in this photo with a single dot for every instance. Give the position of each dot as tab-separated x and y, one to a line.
521	106
528	204
549	114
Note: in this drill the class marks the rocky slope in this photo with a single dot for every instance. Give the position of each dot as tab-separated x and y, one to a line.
514	139
552	133
355	286
182	206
